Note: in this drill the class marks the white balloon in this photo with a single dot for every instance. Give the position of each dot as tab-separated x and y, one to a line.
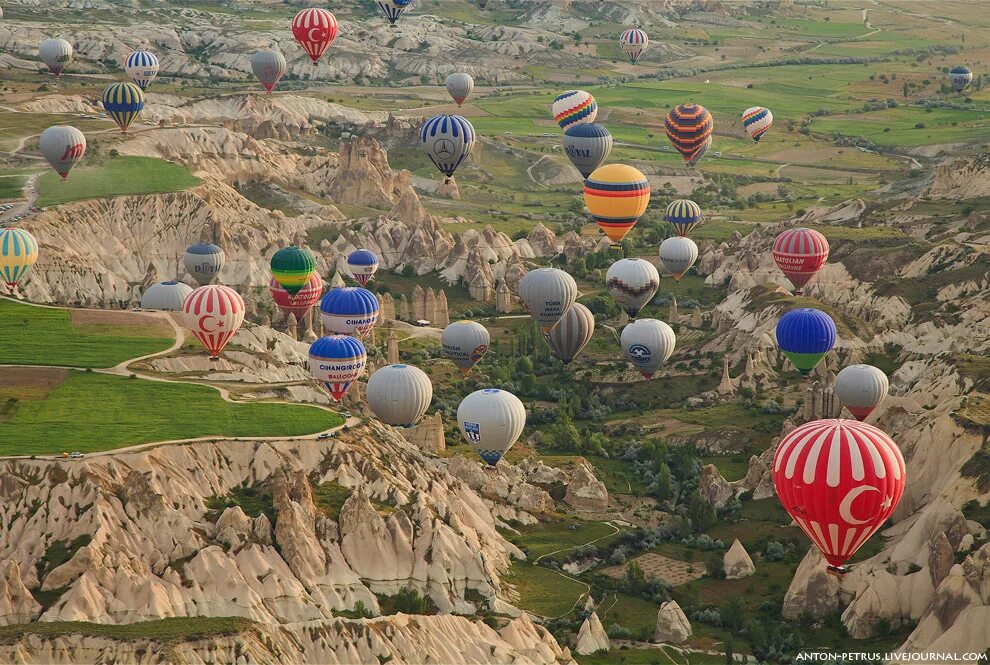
632	283
165	296
547	294
677	255
860	388
459	86
648	343
491	420
465	343
399	394
62	146
572	333
56	54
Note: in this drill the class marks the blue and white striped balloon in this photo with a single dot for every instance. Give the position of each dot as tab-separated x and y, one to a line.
142	67
447	140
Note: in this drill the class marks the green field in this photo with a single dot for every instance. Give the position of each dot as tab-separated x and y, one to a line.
543	591
12	187
117	176
172	630
547	537
89	412
48	336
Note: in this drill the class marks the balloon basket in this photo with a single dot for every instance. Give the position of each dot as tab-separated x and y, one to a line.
214	359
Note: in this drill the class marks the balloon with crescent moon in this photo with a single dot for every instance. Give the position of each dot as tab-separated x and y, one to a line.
214	313
315	29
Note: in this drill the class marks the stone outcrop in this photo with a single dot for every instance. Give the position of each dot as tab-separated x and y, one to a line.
673	626
737	563
813	591
17	605
714	488
591	636
585	493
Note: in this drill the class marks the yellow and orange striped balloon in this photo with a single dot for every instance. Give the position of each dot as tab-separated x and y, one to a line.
616	195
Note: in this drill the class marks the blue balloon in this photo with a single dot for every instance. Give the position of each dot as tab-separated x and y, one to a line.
349	310
805	335
340	347
362	257
447	140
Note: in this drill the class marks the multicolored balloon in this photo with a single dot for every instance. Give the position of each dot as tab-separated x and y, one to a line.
56	54
142	67
861	388
337	361
840	480
165	296
393	9
547	294
203	262
960	77
491	420
683	215
465	343
300	303
269	67
62	146
349	310
574	107
648	343
616	195
214	313
399	394
805	336
587	145
363	265
689	128
677	255
800	253
572	333
633	42
315	29
123	103
18	252
447	140
756	121
632	283
459	86
292	267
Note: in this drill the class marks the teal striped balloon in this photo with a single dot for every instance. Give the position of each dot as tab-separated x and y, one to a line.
18	252
683	216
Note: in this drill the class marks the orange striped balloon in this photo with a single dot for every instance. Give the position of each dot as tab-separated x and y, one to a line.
616	195
689	128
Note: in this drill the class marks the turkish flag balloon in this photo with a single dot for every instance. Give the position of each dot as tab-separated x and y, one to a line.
800	253
314	29
840	480
214	313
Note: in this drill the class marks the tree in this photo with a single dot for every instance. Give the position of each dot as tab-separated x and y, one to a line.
663	483
729	660
701	513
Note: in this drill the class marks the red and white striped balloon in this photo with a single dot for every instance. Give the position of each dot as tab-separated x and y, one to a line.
840	480
315	29
800	253
214	313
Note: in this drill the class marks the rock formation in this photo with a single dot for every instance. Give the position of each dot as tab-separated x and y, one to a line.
736	562
673	626
714	488
428	435
585	493
591	637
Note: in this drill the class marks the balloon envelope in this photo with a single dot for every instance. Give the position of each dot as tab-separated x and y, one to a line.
447	140
337	361
632	283
399	394
840	480
572	333
62	146
315	29
269	67
616	195
547	294
800	253
214	313
303	300
203	261
491	420
805	335
960	77
465	343
689	128
123	103
18	252
860	388
142	67
56	54
756	121
683	215
165	296
574	107
363	264
393	8
292	267
677	255
648	343
587	146
349	310
459	86
633	42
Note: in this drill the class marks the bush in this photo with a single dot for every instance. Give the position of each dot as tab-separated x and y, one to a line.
774	551
618	632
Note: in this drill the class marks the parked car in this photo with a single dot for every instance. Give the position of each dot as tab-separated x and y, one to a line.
76	455
325	435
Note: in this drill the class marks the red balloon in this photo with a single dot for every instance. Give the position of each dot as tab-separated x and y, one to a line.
315	29
800	253
840	480
214	313
300	303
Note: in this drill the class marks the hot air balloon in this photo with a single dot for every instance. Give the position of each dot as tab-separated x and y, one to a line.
315	29
587	145
214	313
292	267
756	121
648	343
805	335
203	261
482	3
632	283
860	388
349	310
447	140
18	252
142	67
701	153
459	86
491	420
393	9
683	216
363	264
616	195
960	77
399	394
547	294
62	146
165	296
465	343
337	362
56	54
123	103
677	255
800	253
269	67
572	333
633	42
574	107
689	128
302	301
840	480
